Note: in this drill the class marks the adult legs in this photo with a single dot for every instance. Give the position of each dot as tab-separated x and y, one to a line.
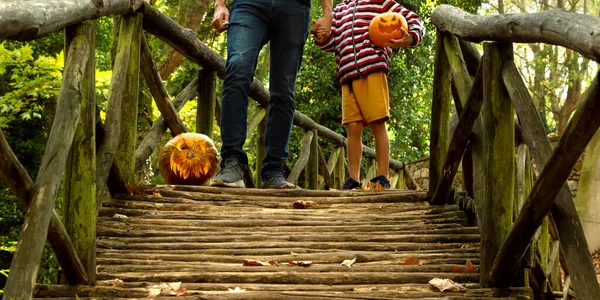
288	32
247	34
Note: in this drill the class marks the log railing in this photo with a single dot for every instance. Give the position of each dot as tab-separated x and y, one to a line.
536	226
80	142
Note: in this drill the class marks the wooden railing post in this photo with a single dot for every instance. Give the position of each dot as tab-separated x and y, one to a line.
79	203
339	173
125	156
312	167
498	115
207	101
261	151
26	259
440	109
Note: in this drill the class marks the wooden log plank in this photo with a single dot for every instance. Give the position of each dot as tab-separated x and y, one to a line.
207	100
440	109
19	182
106	152
26	259
459	141
572	238
29	20
159	93
79	186
151	139
542	27
185	41
580	130
498	125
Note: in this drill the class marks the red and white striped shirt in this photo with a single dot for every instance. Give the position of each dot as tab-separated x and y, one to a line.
356	55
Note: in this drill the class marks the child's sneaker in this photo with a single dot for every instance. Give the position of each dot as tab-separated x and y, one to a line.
382	180
351	184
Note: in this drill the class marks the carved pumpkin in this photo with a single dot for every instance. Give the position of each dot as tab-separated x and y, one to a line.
385	27
189	158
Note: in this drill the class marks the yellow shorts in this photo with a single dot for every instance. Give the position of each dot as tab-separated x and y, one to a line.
367	101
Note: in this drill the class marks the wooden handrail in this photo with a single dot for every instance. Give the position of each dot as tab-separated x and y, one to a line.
30	20
557	27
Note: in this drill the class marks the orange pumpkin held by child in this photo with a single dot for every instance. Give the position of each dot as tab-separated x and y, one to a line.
189	158
385	27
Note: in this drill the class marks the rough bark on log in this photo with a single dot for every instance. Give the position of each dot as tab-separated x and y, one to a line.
26	259
207	101
578	259
18	180
556	26
186	43
79	185
459	141
28	20
160	125
124	161
440	109
302	157
159	93
106	152
554	174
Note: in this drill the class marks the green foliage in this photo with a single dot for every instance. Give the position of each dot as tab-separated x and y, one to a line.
33	83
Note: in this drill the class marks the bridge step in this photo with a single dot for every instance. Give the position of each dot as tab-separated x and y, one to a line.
198	239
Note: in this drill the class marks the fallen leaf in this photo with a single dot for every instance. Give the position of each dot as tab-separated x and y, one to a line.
301	204
411	261
179	292
116	282
299	263
120	216
348	262
255	263
154	291
466	246
468	268
446	285
236	290
294	253
156	194
273	262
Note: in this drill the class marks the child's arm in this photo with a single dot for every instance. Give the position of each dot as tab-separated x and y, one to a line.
416	30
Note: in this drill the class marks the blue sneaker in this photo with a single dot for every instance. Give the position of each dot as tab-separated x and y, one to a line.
382	180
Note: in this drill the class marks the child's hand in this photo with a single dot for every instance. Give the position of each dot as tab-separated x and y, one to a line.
321	34
405	41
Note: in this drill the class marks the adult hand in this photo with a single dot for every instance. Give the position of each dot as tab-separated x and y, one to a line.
221	16
323	22
405	41
321	34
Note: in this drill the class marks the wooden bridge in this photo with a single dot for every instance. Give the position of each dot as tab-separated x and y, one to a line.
208	243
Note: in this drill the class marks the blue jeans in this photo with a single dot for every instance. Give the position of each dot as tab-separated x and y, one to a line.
253	23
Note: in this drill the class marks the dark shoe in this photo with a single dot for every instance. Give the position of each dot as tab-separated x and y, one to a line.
382	180
276	180
231	174
351	184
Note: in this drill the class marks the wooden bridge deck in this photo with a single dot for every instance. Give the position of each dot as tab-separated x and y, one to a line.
197	239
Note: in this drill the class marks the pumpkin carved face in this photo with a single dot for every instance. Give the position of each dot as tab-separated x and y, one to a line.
385	27
189	158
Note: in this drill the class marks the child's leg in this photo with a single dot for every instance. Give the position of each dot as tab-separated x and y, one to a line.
382	147
354	148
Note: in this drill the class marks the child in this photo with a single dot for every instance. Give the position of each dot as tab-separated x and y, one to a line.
362	70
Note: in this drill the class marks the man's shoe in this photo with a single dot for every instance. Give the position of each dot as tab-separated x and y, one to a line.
382	180
231	174
351	184
276	180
